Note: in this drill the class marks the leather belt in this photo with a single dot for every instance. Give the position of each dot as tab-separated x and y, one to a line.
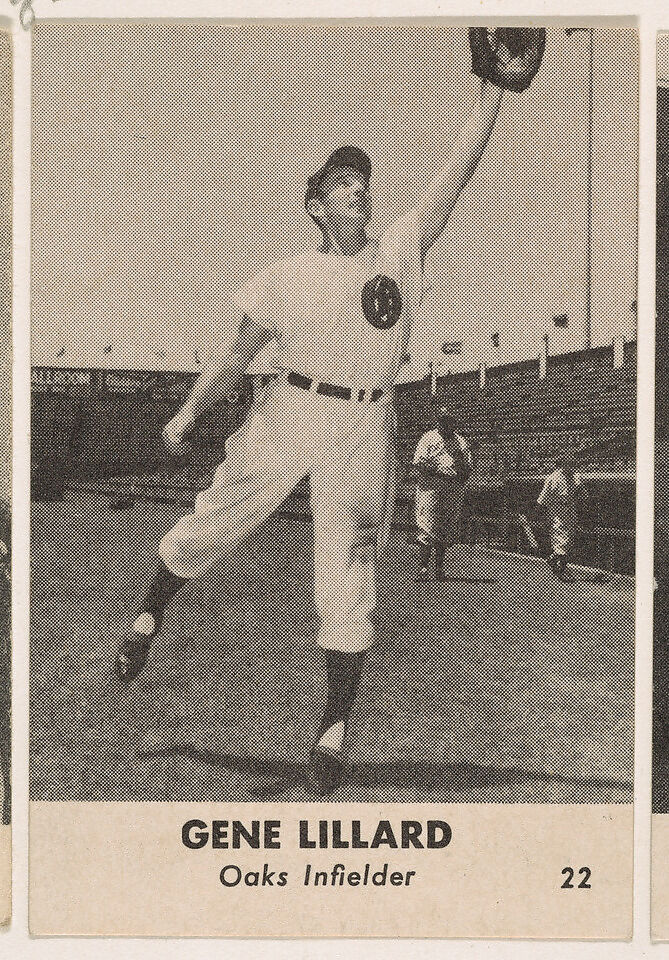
332	389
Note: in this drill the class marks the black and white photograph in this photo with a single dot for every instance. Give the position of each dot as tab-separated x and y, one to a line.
661	635
660	779
5	466
333	413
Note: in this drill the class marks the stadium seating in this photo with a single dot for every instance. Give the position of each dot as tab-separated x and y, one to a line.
108	435
519	422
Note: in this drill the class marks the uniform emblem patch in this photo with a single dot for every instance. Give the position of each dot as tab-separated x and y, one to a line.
381	302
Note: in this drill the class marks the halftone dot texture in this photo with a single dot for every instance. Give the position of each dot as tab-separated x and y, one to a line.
5	411
661	504
170	161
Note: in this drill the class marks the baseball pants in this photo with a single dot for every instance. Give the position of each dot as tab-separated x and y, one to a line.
438	512
561	537
347	449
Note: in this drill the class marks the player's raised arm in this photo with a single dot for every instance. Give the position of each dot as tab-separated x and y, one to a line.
221	377
505	59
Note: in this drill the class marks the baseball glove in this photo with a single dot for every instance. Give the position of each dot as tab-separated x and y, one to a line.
509	57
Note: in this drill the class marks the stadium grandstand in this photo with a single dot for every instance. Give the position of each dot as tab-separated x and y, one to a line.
661	552
100	430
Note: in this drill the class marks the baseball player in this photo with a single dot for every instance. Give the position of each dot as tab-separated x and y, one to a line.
443	464
340	316
560	497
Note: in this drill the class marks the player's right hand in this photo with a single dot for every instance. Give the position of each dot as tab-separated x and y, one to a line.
175	435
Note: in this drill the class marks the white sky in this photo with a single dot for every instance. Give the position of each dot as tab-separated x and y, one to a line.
169	165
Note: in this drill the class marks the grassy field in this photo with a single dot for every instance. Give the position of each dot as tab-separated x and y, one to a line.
501	684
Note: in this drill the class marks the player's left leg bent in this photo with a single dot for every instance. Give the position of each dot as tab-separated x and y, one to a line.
260	471
133	649
266	459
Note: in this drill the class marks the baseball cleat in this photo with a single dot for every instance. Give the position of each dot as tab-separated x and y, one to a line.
133	651
558	566
325	772
423	575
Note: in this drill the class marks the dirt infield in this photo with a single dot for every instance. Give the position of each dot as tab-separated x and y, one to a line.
501	684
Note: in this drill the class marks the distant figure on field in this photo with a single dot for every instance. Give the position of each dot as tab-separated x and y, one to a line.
560	497
442	466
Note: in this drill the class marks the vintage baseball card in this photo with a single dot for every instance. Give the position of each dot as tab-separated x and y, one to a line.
660	825
333	478
5	462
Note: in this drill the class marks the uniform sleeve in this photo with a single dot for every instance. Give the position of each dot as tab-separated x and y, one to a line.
256	300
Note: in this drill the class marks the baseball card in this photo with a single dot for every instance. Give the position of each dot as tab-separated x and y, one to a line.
5	462
333	477
660	820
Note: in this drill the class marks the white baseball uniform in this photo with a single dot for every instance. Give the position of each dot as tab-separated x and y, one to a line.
559	497
313	306
439	496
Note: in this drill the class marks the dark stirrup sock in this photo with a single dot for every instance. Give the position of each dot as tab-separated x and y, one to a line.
439	554
163	587
343	675
424	554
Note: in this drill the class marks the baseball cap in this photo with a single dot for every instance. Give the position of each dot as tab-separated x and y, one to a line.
352	157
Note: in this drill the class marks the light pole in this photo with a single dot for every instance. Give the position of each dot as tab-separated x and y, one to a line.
588	226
